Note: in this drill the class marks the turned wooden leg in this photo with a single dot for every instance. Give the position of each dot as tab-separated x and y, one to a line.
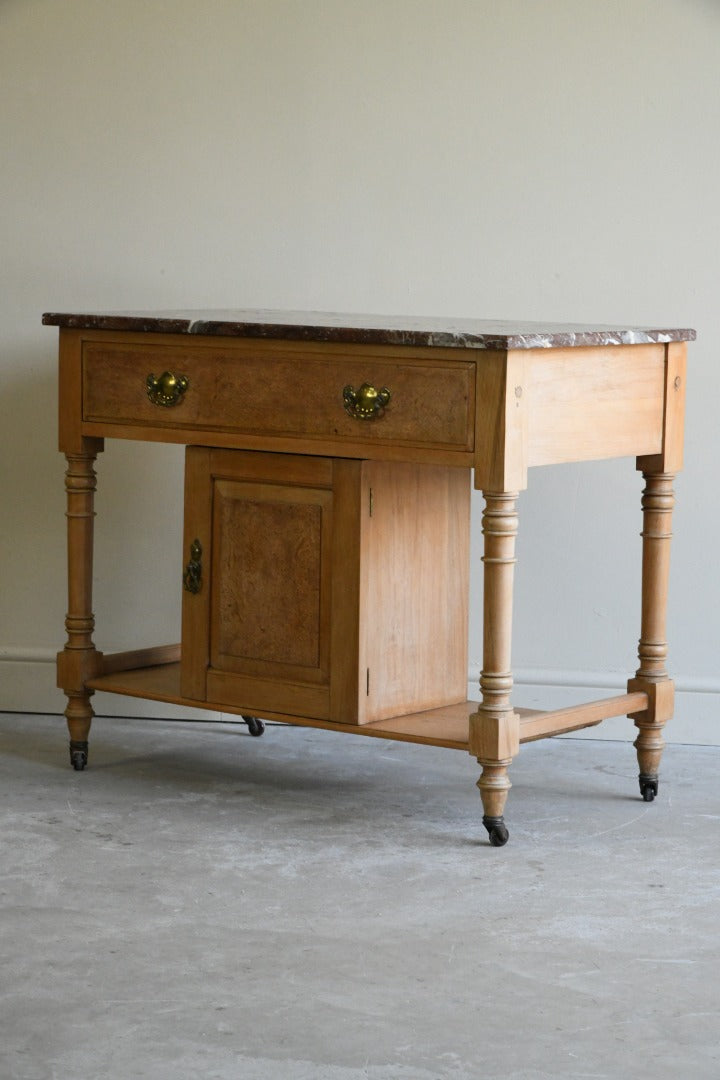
651	676
79	661
495	728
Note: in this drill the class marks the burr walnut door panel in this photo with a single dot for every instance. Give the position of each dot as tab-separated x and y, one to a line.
257	633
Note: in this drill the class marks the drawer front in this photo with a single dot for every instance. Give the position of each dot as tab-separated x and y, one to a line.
279	392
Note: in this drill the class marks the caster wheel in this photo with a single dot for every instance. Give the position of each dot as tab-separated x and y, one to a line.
255	726
498	836
497	831
78	756
648	789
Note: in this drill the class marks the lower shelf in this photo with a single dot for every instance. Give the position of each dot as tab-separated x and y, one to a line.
447	726
436	727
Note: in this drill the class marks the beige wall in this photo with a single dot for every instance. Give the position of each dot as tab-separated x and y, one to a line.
554	160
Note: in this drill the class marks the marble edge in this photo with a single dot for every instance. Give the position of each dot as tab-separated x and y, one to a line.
448	339
441	339
149	323
535	338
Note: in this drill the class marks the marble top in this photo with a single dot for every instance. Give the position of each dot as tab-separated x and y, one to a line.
368	329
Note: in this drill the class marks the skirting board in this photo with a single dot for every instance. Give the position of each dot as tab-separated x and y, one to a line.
27	685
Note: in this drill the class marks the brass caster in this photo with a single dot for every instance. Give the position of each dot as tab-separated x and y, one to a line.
254	725
78	755
648	787
497	831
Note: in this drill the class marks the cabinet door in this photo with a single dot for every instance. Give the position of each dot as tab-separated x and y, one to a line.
257	634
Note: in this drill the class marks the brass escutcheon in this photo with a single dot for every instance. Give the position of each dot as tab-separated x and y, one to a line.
367	403
168	390
192	578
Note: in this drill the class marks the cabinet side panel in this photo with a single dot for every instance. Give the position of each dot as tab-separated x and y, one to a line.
591	403
414	588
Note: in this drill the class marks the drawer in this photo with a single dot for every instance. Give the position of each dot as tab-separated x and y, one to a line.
269	388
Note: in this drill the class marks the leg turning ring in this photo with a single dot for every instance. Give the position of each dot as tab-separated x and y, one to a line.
497	830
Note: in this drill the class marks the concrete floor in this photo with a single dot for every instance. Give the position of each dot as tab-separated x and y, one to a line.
318	906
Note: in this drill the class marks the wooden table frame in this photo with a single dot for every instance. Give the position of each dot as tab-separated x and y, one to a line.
529	406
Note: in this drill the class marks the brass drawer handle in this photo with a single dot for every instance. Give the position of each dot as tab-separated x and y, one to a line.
168	390
192	578
367	403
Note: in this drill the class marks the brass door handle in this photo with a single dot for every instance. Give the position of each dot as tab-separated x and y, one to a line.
168	390
367	403
192	577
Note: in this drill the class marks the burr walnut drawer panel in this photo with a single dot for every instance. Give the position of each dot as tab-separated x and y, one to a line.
278	391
